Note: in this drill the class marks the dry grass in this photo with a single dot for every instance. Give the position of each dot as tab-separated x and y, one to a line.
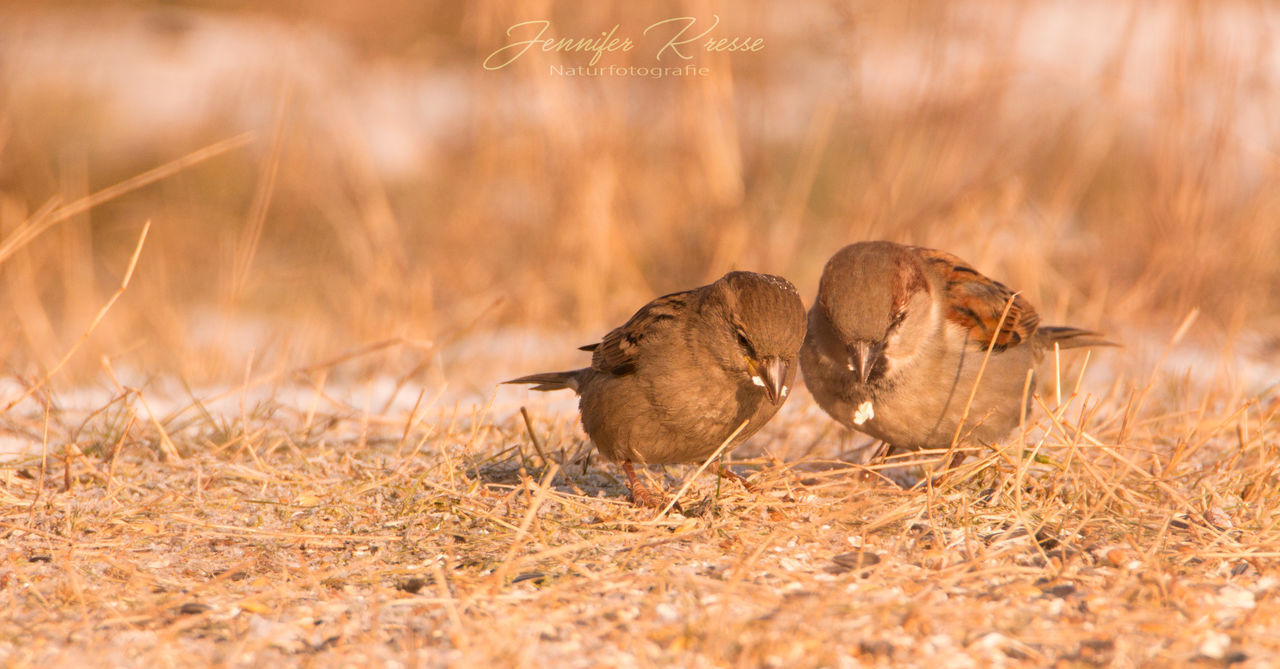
220	450
339	536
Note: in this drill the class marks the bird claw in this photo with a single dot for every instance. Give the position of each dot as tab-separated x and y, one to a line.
641	495
725	472
646	498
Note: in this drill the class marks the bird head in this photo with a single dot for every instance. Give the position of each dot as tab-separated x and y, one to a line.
879	302
762	325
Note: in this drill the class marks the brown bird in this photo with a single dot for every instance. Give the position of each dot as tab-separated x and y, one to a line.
896	338
674	382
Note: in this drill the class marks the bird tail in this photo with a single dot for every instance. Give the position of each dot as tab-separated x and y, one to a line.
571	380
1069	337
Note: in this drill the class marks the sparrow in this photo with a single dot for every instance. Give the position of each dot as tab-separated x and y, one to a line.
677	379
896	339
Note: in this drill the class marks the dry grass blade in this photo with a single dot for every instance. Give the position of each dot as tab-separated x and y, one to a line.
124	285
977	379
517	542
701	468
39	224
537	444
247	245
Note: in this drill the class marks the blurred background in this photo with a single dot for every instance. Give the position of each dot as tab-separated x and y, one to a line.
335	182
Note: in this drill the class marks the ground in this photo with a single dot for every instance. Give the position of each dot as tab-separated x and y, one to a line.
450	538
263	267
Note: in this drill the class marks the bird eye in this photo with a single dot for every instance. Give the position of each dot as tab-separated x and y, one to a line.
897	320
742	340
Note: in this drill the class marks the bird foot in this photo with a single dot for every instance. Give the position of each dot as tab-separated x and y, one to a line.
641	495
644	497
725	472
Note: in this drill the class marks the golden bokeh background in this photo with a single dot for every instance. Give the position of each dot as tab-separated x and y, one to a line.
322	177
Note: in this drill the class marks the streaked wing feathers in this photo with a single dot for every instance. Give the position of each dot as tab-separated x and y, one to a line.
976	303
618	351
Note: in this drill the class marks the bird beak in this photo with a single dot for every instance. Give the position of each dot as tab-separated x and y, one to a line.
863	358
773	374
861	362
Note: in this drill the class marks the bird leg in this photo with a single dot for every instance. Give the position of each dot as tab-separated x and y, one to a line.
883	453
641	495
956	458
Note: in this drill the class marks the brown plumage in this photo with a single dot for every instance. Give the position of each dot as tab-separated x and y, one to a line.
896	338
673	382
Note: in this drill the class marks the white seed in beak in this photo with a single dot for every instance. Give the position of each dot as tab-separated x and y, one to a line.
758	381
864	413
785	390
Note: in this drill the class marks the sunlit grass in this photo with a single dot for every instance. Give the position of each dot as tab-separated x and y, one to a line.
275	438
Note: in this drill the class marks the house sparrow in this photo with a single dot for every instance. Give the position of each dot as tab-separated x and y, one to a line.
897	336
674	382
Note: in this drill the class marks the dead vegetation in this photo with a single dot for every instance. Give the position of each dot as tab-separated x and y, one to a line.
249	414
438	537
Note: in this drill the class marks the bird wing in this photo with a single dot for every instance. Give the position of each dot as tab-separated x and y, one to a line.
976	302
617	353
